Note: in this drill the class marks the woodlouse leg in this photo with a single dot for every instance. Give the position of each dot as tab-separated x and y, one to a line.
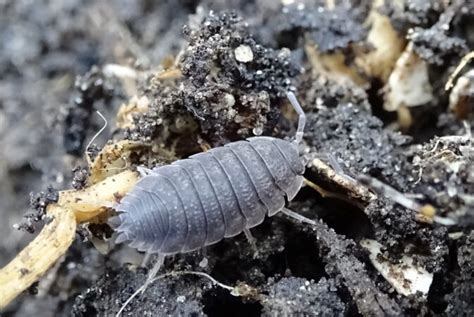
154	270
297	216
252	242
146	259
301	116
143	171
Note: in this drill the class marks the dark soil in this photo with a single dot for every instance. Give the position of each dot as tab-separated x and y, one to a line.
52	81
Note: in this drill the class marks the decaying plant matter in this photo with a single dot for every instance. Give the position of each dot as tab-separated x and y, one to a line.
72	208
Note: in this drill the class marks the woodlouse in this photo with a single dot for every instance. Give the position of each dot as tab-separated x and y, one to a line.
198	201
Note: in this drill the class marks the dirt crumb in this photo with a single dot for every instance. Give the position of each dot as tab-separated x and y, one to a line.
331	29
295	296
38	202
168	296
81	175
225	97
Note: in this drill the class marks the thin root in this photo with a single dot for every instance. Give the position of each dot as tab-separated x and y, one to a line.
55	238
38	256
175	274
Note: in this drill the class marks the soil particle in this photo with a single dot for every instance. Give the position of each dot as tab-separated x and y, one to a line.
38	202
460	300
317	91
342	264
357	140
169	296
413	13
41	200
81	175
330	29
396	228
435	45
444	175
90	88
226	97
298	296
437	30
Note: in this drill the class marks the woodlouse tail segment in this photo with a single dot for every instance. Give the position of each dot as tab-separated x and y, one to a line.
121	237
137	244
123	229
295	187
114	222
301	116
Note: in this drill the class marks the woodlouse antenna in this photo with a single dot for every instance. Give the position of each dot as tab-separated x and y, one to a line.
98	132
301	116
297	216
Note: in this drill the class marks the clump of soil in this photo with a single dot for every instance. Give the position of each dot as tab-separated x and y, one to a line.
231	86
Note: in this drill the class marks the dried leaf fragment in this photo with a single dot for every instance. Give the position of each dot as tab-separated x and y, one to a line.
112	159
126	111
340	185
387	45
406	277
408	84
461	98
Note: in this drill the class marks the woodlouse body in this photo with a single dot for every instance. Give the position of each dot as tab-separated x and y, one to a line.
198	201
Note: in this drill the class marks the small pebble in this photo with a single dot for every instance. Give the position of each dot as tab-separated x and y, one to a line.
203	263
229	100
243	53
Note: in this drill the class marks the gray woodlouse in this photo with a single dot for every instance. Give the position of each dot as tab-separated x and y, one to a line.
198	201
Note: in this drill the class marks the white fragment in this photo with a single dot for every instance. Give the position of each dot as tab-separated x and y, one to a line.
287	2
459	97
444	221
243	53
408	84
204	262
455	235
387	45
120	71
229	100
181	299
257	130
406	277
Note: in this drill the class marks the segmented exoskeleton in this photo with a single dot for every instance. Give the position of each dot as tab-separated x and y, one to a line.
198	201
